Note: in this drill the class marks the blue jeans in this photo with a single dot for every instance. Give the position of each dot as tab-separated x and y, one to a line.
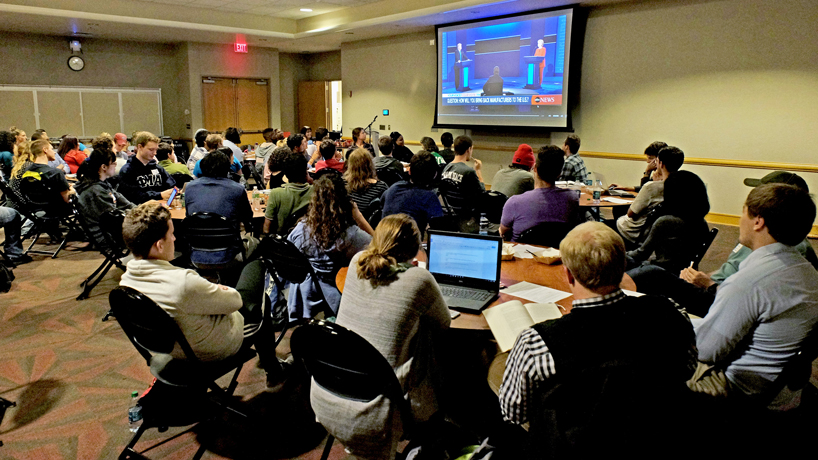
10	221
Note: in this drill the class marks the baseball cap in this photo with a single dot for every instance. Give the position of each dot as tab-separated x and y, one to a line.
524	156
120	137
778	177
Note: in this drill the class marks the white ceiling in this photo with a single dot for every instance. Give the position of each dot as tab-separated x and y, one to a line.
266	23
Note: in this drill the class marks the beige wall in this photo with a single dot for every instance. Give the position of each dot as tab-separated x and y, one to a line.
205	60
732	79
296	68
30	59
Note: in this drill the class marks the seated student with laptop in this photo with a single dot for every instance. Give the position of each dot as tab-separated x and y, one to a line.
399	309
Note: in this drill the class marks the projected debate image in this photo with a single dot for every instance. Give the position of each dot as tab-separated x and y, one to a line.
514	68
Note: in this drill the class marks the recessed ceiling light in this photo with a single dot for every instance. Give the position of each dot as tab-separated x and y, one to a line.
306	10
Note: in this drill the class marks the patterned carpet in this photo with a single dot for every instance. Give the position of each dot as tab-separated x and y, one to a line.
71	376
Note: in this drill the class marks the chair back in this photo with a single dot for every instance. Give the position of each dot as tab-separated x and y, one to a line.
653	215
345	364
35	193
375	212
455	200
110	222
210	232
181	179
546	234
492	203
252	177
150	329
389	175
283	257
701	250
796	373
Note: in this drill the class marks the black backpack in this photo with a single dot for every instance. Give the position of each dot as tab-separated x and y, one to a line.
6	277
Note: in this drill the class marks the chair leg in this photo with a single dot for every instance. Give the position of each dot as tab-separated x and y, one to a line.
110	314
89	285
129	453
328	447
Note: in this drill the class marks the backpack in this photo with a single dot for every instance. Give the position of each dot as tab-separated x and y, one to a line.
6	277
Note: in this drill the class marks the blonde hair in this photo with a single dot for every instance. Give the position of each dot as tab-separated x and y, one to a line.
595	255
143	137
360	168
27	153
213	141
397	239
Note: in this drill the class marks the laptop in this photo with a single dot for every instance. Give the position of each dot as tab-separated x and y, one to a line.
466	267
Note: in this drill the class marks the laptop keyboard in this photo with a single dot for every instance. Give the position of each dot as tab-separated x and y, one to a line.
461	293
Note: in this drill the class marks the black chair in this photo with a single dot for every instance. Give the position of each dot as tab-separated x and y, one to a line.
108	241
346	365
704	246
252	177
548	234
491	203
181	179
180	397
285	262
376	212
390	176
39	204
208	232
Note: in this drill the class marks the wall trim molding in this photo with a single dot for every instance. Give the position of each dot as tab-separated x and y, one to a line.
732	219
794	167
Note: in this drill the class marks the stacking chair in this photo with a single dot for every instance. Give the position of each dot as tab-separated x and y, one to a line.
181	179
491	203
107	240
390	176
705	245
208	232
548	234
252	177
346	365
38	206
374	217
286	263
155	334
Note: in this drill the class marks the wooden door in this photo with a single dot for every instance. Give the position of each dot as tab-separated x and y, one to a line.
253	109
313	103
219	104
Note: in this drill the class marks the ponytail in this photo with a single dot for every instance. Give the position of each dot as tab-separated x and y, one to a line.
89	169
396	240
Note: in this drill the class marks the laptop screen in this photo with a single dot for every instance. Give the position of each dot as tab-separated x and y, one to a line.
464	256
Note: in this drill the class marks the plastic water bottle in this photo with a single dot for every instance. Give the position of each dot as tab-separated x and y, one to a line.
256	199
484	224
134	413
182	201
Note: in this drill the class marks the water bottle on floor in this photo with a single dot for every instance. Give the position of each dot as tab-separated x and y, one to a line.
134	413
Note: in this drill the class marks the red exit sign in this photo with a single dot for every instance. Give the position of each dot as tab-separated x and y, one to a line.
241	47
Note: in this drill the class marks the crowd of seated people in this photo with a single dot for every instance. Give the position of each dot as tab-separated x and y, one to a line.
755	311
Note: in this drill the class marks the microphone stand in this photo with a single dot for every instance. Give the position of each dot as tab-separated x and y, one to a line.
368	129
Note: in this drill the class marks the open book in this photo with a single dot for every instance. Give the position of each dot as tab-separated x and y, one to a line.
509	319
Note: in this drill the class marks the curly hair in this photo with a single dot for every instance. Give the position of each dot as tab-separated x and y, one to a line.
7	141
360	168
330	213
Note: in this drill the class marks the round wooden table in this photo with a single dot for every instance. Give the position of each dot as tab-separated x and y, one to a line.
513	272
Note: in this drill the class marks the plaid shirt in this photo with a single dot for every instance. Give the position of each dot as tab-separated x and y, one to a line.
530	363
574	169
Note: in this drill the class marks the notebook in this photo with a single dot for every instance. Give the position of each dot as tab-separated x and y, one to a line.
466	267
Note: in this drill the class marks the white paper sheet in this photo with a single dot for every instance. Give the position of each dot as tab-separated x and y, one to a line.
615	200
521	251
632	293
535	292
